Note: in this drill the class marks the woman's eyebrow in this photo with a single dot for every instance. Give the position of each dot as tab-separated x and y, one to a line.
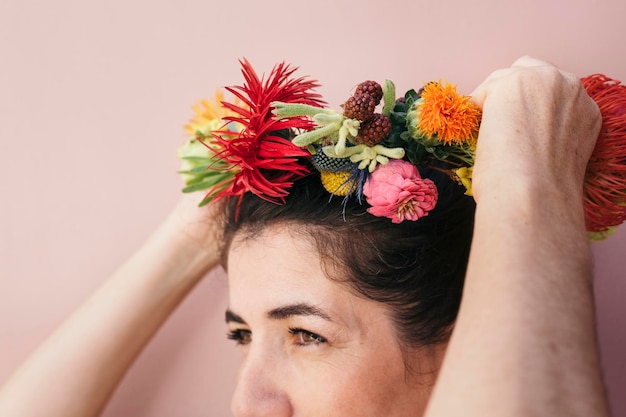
233	317
299	309
283	312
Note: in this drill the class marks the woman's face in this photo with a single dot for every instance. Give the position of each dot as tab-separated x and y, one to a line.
311	347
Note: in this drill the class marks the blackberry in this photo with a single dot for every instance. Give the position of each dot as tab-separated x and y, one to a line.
360	107
374	130
372	88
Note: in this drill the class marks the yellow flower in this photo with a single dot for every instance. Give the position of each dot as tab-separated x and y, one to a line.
465	177
208	116
600	236
335	183
190	154
452	117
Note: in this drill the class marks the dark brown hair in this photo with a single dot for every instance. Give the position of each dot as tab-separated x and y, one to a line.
416	268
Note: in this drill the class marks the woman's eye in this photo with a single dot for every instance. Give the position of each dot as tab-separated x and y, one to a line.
241	336
304	337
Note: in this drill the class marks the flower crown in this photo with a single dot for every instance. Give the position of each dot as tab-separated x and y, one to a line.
277	130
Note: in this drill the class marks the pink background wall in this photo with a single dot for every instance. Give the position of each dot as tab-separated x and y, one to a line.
93	95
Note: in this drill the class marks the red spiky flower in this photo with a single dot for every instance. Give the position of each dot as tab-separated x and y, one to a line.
605	179
266	161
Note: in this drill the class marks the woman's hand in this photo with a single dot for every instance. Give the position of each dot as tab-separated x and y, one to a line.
524	340
538	129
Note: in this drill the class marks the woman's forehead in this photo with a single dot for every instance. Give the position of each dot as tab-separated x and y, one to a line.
279	268
275	252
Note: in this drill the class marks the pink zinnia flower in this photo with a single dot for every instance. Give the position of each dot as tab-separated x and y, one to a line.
397	190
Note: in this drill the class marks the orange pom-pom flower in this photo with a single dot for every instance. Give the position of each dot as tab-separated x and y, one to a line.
449	116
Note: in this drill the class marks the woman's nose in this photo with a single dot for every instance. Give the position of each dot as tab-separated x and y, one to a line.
259	391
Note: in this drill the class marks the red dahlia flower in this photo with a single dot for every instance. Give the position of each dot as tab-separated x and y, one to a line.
266	161
605	180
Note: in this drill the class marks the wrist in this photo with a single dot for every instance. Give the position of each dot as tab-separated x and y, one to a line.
187	257
537	209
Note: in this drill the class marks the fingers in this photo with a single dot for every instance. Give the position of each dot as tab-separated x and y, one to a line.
523	64
529	61
544	106
481	92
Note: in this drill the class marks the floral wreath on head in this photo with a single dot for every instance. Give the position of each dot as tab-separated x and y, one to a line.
277	130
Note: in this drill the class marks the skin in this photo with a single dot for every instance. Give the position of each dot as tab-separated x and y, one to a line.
129	308
524	344
526	328
310	346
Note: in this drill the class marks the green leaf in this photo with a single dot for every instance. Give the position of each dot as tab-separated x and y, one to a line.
389	96
440	152
196	179
208	198
398	118
197	187
400	107
201	170
429	141
203	175
197	159
410	97
213	179
198	171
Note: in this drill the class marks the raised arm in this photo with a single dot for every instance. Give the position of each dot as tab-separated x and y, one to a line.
75	371
525	342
